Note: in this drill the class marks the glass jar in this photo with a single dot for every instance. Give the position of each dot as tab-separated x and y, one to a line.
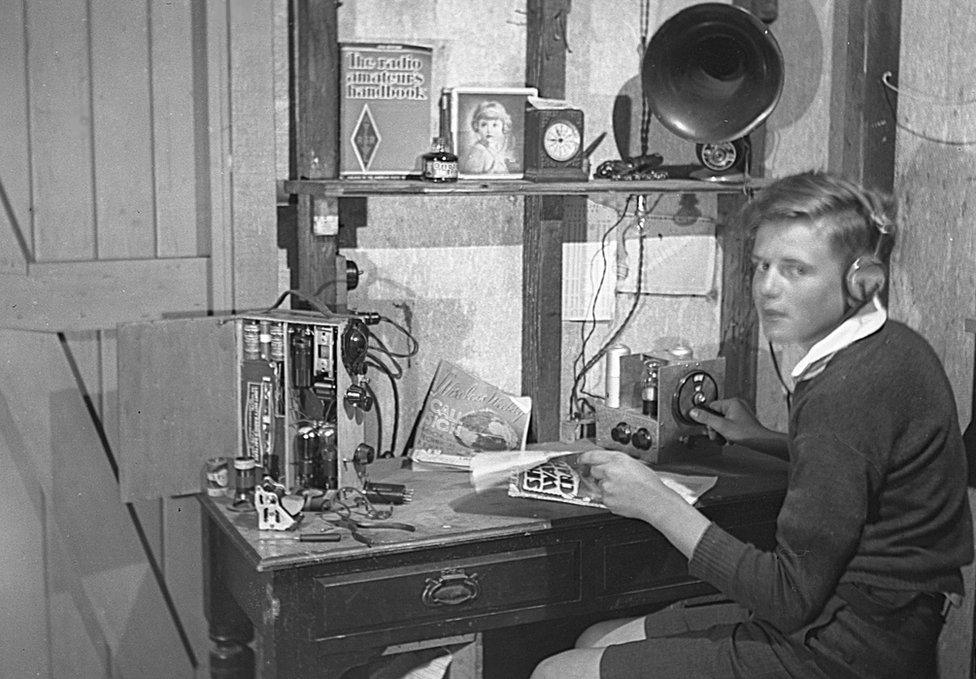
440	164
245	471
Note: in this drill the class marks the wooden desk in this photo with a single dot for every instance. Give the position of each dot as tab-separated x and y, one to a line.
476	562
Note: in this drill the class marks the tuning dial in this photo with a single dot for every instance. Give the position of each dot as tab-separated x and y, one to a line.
642	439
358	396
621	433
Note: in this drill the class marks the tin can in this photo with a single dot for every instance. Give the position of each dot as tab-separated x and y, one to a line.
216	476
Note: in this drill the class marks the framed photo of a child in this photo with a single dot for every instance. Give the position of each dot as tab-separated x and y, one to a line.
487	129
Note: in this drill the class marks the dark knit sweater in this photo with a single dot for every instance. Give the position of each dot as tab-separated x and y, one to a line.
877	488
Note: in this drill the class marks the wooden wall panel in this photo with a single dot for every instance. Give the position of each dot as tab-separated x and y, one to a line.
61	163
254	194
117	168
99	294
22	595
174	145
935	152
122	131
15	213
210	85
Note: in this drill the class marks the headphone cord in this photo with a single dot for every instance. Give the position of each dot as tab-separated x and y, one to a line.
779	376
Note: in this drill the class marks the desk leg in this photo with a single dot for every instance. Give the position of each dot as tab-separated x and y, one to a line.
230	629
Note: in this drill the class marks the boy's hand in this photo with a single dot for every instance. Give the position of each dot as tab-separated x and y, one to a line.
632	489
734	420
627	486
730	417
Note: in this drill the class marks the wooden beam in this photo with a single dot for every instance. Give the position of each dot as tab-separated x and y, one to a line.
94	295
542	244
315	121
863	113
738	323
739	334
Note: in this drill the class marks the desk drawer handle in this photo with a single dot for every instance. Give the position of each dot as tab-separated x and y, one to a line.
452	587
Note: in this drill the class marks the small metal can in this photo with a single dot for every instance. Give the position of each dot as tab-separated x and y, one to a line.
216	476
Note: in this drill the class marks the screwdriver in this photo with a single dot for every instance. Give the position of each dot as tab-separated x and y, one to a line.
331	536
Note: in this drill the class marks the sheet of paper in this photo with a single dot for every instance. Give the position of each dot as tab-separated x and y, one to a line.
493	469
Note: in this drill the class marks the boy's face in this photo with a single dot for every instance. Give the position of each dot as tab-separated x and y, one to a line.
797	285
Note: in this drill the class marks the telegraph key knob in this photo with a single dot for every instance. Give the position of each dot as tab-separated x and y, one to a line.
695	390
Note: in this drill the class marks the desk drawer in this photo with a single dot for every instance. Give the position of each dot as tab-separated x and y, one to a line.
449	590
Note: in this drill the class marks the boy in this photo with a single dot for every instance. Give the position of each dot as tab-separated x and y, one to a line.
875	525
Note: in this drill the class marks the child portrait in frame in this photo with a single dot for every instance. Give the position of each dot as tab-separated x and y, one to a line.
487	126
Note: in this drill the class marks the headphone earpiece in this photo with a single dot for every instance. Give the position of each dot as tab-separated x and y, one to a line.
865	277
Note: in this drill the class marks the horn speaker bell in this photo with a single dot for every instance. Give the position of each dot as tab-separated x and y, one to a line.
712	73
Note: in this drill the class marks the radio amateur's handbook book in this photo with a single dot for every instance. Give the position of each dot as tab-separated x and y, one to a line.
385	110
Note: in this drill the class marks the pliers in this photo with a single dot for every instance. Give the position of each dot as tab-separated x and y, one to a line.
354	526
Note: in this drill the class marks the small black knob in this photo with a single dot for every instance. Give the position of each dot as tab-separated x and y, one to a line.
352	275
358	396
364	454
642	439
621	433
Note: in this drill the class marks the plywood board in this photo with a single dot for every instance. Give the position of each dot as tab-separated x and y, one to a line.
177	404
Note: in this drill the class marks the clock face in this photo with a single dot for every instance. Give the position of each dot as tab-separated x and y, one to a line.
561	140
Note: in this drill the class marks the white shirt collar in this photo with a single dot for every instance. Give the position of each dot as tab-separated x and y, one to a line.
867	321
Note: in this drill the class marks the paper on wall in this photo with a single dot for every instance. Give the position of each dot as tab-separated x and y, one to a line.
675	265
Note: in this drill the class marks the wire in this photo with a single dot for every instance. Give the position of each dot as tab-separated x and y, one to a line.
586	335
779	376
923	96
645	121
630	314
376	363
298	294
379	416
412	343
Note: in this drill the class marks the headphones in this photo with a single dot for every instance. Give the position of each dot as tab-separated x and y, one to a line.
867	275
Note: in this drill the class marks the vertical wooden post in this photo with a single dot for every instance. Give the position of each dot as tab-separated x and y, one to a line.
542	244
315	125
739	325
863	113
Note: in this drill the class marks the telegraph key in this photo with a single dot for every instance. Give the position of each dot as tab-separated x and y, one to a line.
656	394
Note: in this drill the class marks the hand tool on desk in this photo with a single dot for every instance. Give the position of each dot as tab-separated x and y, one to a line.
331	536
355	526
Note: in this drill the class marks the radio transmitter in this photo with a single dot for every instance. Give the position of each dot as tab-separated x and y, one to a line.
656	395
303	395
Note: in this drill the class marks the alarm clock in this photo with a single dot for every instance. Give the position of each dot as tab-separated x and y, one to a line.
554	145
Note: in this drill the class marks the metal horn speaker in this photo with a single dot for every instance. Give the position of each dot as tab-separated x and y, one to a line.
712	73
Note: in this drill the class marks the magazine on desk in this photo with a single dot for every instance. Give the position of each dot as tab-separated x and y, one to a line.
464	416
559	476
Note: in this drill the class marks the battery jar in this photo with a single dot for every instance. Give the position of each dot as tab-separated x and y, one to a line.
245	472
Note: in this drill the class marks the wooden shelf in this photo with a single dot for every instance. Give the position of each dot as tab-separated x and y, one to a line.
355	188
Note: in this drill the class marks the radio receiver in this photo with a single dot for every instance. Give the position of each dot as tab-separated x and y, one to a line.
656	394
303	396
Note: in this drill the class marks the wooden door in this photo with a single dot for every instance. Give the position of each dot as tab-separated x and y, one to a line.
136	183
